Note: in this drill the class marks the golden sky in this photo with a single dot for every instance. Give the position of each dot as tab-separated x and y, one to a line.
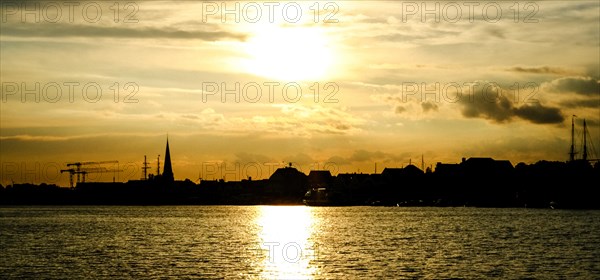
249	86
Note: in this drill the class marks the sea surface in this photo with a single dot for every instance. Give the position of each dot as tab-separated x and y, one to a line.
297	242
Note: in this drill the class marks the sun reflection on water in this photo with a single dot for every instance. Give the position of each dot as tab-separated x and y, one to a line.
286	242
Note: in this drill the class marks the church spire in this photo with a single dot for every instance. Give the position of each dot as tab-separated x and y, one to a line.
167	169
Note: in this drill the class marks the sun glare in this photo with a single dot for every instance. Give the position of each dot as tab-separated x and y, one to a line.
286	233
289	53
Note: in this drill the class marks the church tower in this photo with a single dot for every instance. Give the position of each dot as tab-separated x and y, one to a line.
167	169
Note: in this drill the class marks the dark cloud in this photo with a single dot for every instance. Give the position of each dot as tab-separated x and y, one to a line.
540	70
73	30
581	85
399	109
429	106
539	114
498	108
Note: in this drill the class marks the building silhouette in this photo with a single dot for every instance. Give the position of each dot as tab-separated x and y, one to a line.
167	169
288	184
477	181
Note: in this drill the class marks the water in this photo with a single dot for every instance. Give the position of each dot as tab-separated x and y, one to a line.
278	242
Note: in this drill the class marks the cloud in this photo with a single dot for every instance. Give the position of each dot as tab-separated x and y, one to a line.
280	120
429	106
495	32
592	122
317	119
39	138
487	104
539	114
540	70
479	105
412	36
586	103
301	158
363	155
190	116
64	138
95	31
207	119
245	158
338	160
580	85
399	109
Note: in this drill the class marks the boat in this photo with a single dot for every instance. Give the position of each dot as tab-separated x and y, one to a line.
317	197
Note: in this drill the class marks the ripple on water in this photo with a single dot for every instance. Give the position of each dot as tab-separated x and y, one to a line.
337	242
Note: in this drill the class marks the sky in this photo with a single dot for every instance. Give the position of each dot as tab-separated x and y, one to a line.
242	88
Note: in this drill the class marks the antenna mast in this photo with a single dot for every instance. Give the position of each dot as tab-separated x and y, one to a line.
145	168
158	165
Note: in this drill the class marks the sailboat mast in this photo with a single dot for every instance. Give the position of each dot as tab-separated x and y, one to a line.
585	154
572	152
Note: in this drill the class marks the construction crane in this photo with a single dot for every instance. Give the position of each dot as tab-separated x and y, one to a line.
79	164
76	169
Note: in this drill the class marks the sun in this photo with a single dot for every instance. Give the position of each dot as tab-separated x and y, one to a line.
289	53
